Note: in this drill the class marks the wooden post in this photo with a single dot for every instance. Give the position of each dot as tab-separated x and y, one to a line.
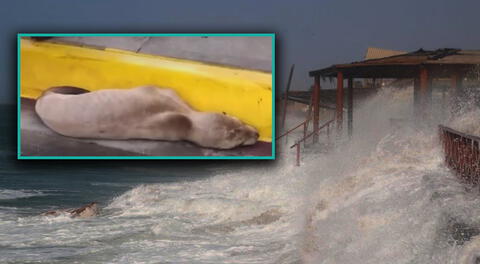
339	108
286	95
310	106
316	106
350	106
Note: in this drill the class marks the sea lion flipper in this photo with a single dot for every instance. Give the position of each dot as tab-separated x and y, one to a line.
173	126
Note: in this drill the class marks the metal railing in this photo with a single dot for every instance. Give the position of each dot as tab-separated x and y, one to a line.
305	137
305	127
462	153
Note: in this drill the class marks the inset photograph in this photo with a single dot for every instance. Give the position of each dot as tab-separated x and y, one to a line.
146	96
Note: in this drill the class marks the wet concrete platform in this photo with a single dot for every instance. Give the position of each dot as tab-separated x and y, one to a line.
39	140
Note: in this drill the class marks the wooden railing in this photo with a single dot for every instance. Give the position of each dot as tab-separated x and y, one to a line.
462	153
305	137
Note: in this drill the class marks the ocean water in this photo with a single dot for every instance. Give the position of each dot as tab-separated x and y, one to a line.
151	212
384	196
156	216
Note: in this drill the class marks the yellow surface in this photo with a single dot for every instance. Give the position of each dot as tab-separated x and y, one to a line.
242	93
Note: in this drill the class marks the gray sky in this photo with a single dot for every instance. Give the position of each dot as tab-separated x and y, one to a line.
311	34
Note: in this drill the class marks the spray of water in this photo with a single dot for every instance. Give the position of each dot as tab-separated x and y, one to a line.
385	196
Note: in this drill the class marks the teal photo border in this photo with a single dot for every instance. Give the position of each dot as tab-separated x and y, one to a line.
20	157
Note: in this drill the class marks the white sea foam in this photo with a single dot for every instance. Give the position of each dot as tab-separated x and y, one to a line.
7	194
386	197
236	216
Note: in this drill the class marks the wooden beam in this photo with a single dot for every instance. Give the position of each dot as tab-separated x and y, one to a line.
339	112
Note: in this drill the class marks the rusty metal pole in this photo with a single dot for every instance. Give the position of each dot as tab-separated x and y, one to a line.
350	107
339	108
305	133
298	154
316	106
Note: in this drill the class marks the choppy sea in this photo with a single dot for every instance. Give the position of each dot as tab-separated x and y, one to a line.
383	196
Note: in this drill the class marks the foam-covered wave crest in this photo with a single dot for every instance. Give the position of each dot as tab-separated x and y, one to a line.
385	196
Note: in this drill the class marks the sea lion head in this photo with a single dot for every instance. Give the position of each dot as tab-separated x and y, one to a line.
224	132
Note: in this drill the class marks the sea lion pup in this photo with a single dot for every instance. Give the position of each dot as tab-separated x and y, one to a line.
145	112
85	211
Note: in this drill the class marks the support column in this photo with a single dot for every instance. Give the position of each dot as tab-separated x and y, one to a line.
350	106
339	108
316	106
